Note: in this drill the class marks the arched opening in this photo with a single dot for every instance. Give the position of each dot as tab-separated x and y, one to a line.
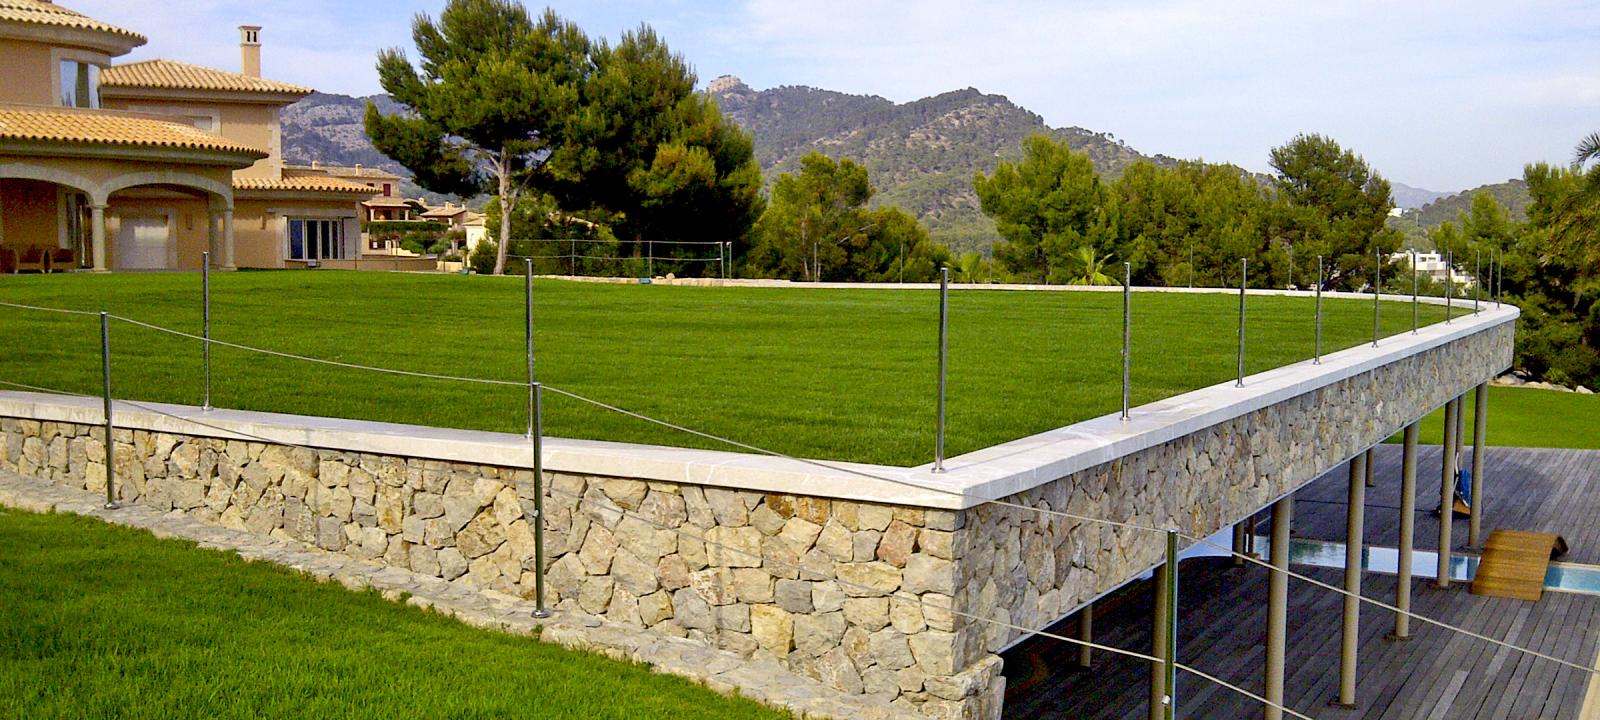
162	226
46	220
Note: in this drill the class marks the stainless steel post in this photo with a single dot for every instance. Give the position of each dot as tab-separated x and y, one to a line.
1127	338
1277	606
1414	306
1354	521
1499	283
1447	483
1244	272
1408	507
205	326
1480	436
105	378
572	257
816	263
527	316
1316	351
1169	665
539	609
1449	285
1377	295
1477	278
1191	265
1291	266
650	258
730	258
1160	614
944	349
1086	634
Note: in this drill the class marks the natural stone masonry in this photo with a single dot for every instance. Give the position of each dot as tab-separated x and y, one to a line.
720	670
870	598
804	582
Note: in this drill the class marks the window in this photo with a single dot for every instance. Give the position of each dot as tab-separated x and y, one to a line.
80	84
316	239
386	189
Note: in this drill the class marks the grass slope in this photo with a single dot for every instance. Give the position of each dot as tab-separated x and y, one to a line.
1523	417
837	374
103	621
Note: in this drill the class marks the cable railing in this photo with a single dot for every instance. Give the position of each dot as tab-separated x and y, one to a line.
536	434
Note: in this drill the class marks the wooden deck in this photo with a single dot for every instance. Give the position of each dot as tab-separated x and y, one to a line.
1438	674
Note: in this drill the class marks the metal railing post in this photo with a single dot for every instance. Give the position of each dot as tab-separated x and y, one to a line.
1499	283
650	258
539	609
1127	338
1477	278
105	377
527	316
1291	266
1377	296
1191	266
1316	350
1414	306
1449	285
205	326
944	349
1244	272
1169	663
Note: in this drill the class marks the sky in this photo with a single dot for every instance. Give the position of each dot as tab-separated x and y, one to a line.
1439	95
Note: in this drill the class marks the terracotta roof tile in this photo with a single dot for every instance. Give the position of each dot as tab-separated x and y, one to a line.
371	172
303	184
105	127
37	12
174	75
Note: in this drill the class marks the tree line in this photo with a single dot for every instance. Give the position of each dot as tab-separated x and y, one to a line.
612	143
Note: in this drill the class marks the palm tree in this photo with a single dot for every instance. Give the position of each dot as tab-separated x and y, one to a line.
1090	268
1588	149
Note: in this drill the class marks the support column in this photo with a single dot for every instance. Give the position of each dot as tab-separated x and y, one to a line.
1086	634
1368	463
227	239
1408	508
1447	483
1239	544
1278	605
1480	433
97	237
1360	470
1158	647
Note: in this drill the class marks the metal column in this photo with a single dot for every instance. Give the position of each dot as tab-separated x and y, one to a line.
539	609
1278	606
105	374
1244	272
1447	473
1408	509
1480	433
1127	339
1354	521
944	347
1164	636
1086	634
1369	463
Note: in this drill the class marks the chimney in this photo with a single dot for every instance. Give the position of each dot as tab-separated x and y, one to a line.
250	50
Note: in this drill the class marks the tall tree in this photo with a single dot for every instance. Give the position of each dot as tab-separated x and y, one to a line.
1045	206
1335	204
489	102
657	157
817	226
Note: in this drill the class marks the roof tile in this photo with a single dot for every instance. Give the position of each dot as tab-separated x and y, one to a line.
105	127
174	75
38	12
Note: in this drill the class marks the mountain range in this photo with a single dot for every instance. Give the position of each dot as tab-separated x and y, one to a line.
921	155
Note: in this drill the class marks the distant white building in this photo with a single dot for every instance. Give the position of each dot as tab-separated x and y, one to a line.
1433	265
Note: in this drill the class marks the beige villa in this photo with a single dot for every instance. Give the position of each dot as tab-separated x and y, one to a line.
145	165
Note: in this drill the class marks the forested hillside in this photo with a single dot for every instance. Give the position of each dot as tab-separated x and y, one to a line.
922	155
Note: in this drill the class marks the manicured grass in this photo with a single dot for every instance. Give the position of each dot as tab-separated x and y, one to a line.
102	621
1522	417
838	374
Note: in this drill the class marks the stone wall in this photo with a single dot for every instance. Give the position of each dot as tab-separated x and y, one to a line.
1029	569
867	597
853	594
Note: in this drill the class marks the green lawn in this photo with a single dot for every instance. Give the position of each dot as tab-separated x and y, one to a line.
1521	417
104	621
838	374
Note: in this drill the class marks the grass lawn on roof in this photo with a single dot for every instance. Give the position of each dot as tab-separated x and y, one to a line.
834	374
104	621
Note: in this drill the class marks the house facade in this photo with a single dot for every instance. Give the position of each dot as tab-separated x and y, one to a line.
146	165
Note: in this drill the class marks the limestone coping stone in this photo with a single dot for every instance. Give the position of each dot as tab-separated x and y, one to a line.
969	480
